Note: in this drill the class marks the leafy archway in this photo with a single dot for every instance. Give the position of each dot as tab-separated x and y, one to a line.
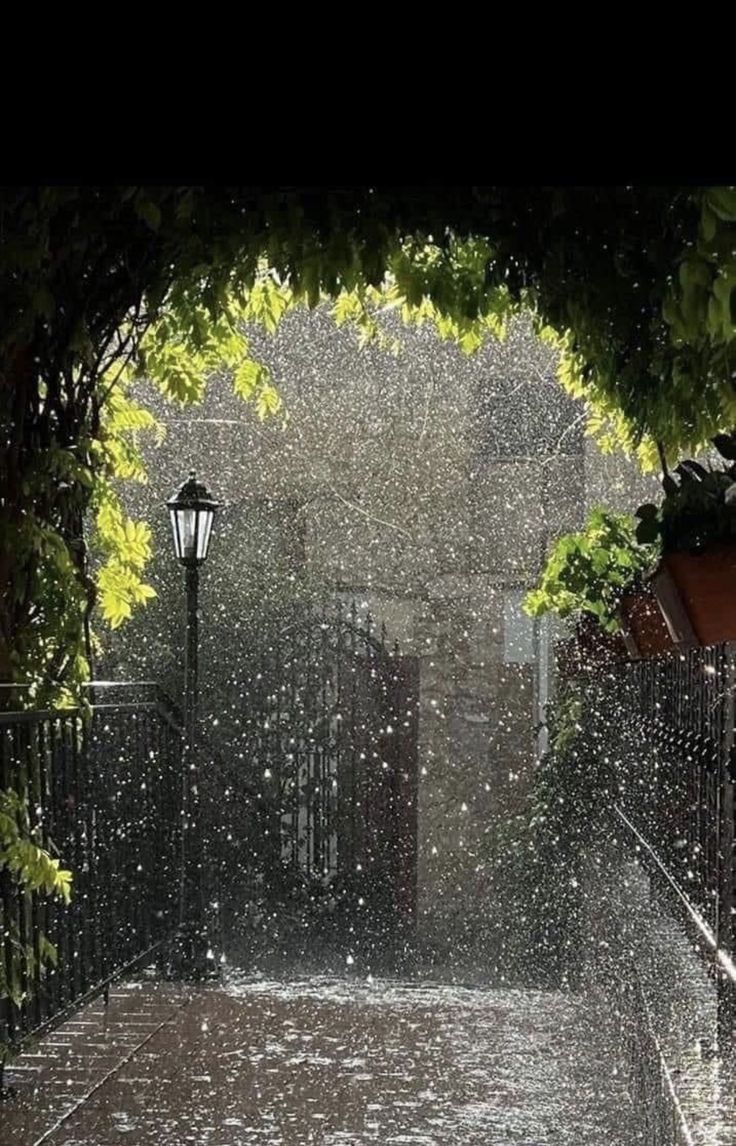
97	284
634	286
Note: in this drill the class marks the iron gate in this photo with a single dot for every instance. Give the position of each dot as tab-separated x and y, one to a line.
316	818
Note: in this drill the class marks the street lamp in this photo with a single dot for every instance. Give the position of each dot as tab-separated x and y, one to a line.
192	511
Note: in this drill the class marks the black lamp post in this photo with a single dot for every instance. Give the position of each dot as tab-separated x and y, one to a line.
192	511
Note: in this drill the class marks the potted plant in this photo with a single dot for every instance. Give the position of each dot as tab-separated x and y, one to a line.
695	581
643	624
598	576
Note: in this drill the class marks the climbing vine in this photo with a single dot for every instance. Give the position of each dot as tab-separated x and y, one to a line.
573	781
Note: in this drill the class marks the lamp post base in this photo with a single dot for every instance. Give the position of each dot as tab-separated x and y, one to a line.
190	958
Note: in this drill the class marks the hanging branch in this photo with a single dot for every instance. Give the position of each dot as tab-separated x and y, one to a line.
663	460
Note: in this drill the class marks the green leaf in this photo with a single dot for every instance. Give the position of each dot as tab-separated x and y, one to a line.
185	206
148	211
722	202
247	378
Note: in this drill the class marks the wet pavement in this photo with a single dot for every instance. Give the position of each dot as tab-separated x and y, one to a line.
321	1062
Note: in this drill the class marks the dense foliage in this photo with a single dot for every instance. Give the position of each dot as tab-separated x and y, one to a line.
699	505
635	287
590	571
634	284
35	871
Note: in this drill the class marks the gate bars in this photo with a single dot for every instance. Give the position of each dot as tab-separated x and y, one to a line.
321	782
672	721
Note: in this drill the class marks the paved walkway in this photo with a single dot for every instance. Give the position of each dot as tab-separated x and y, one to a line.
320	1062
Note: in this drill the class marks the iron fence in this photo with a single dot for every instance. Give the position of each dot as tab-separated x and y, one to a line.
670	731
103	792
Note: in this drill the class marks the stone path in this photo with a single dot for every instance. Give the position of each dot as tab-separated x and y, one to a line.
321	1062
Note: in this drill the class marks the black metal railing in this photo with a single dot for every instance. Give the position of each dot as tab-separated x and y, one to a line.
670	731
102	786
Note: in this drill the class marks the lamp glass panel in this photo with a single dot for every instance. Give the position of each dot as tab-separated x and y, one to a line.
175	532
206	517
187	529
